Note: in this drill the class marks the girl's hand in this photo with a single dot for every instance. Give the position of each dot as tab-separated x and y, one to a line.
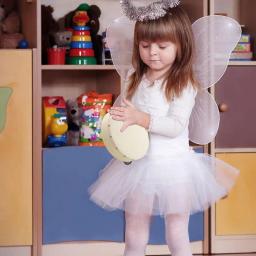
129	115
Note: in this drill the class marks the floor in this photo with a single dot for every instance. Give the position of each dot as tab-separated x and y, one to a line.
237	254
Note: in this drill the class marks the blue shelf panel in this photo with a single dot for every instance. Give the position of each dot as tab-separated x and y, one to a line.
68	214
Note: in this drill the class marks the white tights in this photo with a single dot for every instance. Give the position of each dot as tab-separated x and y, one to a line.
176	234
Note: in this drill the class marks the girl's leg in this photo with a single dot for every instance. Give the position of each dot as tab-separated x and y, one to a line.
176	234
136	234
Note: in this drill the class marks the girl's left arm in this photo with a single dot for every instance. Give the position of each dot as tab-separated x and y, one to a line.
177	118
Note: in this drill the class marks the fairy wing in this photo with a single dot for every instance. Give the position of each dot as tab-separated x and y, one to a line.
204	119
215	37
119	39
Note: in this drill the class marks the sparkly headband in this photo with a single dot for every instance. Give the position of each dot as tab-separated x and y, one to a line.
151	12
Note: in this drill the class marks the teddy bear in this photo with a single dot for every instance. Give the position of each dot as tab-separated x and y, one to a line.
10	25
73	114
94	14
49	28
63	38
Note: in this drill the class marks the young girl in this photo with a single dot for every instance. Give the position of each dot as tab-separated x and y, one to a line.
171	180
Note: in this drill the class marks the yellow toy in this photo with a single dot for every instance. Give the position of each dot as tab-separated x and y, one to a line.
58	125
52	105
58	128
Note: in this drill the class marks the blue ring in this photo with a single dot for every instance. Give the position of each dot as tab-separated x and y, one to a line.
81	28
81	45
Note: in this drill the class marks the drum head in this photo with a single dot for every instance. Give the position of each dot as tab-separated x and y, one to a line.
108	141
132	144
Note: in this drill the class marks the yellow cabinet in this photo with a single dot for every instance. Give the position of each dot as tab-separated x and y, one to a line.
233	226
236	214
16	147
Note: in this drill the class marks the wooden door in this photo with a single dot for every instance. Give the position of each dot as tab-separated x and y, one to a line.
15	147
238	124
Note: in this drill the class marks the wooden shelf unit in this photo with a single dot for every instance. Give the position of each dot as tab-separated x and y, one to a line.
53	79
234	231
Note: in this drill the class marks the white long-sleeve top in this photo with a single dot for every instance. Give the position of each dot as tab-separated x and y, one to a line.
169	120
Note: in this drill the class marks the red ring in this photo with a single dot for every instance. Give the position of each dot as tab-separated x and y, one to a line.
82	52
81	33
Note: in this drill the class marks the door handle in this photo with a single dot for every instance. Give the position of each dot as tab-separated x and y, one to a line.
223	107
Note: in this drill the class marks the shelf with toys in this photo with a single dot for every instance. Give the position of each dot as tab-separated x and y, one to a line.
74	34
242	11
65	187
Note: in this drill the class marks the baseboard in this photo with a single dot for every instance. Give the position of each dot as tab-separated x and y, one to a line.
106	249
15	251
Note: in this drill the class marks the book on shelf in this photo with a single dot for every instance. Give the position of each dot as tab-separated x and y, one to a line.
243	50
241	56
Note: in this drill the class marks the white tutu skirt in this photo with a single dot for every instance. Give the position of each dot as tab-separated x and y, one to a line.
161	185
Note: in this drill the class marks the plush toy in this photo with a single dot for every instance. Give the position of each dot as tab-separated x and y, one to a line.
49	28
10	34
73	122
94	13
63	38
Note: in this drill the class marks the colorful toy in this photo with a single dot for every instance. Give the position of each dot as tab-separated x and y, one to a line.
93	107
51	106
58	128
56	56
81	52
23	44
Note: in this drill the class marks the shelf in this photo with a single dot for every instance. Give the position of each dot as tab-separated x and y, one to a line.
242	63
235	150
112	67
78	67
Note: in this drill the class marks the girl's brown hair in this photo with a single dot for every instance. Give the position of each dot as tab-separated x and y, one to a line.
175	26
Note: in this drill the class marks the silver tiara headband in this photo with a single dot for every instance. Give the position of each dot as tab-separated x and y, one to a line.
150	12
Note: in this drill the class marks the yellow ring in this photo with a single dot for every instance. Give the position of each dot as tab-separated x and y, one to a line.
81	38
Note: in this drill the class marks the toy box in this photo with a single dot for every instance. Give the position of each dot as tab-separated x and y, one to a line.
93	107
51	106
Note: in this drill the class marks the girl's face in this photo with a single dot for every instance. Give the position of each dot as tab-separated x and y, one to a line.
158	56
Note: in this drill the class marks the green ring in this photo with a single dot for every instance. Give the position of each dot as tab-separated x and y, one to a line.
82	61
